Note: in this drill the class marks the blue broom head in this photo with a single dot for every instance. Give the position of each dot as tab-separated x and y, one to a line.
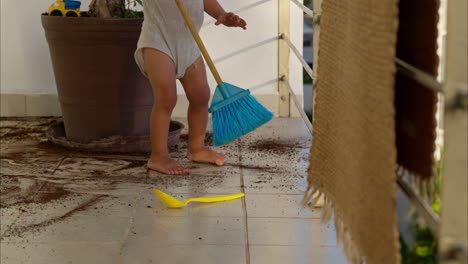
235	112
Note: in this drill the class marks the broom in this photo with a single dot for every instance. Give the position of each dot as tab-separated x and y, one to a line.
235	112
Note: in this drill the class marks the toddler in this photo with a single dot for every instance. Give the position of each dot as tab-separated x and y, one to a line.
166	51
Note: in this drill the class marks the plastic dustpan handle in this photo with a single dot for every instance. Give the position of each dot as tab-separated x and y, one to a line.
199	41
220	198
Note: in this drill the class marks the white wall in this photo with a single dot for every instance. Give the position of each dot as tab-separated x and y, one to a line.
245	58
249	58
26	66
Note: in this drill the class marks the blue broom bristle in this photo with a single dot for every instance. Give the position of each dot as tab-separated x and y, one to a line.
237	119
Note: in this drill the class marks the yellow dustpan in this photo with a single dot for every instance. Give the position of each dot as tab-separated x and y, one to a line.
174	203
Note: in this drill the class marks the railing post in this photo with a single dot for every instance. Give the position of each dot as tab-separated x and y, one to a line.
317	8
453	233
283	58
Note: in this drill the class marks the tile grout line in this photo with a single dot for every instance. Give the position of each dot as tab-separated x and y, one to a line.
59	164
126	235
63	242
244	206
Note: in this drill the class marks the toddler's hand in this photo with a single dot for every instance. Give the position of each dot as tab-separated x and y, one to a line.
231	20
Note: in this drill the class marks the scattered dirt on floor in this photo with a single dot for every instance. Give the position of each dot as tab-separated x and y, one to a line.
25	191
8	189
199	183
252	167
51	148
37	119
20	190
132	165
15	191
25	140
110	172
18	231
24	128
19	148
23	132
276	146
267	168
50	196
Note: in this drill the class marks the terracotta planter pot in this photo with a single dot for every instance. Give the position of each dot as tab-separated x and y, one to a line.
101	90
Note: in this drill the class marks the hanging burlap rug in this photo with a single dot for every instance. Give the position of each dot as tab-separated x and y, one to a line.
353	154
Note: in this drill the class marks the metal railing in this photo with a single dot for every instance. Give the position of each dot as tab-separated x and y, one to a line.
298	55
296	102
421	77
423	208
283	60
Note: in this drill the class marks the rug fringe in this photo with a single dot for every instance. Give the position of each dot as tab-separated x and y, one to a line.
328	212
423	187
315	198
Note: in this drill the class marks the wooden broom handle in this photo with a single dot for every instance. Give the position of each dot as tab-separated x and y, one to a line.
199	41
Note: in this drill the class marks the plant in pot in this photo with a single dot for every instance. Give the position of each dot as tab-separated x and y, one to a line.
101	90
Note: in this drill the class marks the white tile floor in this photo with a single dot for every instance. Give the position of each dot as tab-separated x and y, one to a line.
61	206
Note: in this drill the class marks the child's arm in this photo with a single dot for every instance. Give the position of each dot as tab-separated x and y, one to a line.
229	19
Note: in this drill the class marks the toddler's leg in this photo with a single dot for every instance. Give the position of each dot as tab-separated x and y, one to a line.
198	93
161	73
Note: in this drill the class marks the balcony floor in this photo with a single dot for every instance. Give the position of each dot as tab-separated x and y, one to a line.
61	206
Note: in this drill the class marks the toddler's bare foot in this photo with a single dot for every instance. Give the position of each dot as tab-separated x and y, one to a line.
166	164
205	154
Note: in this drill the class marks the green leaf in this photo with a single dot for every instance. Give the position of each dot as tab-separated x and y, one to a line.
423	251
436	207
